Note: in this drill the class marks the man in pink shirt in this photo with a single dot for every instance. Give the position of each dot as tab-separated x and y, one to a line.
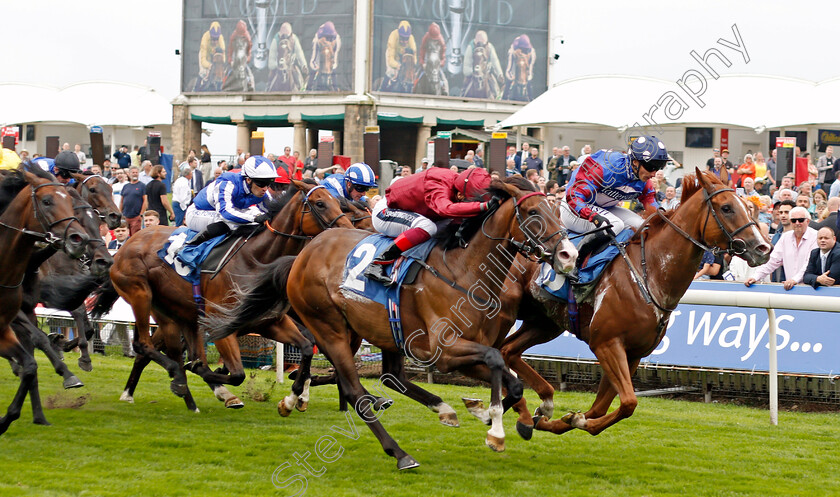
791	251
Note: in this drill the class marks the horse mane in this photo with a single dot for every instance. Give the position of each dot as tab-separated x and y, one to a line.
13	182
690	186
274	206
451	236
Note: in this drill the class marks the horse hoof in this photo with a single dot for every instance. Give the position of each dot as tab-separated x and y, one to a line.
301	406
42	422
85	364
197	410
282	409
538	412
234	403
294	374
179	389
449	419
496	444
525	431
382	404
73	382
576	419
126	397
407	462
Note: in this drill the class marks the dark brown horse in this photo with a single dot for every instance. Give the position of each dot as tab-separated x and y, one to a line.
96	191
620	327
453	337
33	206
151	287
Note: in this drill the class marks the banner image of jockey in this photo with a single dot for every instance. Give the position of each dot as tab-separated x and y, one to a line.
326	46
286	61
432	79
483	77
211	40
520	69
239	76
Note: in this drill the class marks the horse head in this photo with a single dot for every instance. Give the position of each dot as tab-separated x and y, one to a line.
100	195
99	259
52	214
407	68
358	213
326	49
284	55
432	67
522	66
319	210
723	221
535	228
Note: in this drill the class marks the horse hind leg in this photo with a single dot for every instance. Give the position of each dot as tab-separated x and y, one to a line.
393	367
10	347
83	328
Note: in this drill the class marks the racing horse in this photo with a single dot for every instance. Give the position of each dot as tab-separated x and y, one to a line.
322	77
482	82
519	88
627	315
215	77
51	282
153	288
44	212
403	82
432	80
239	76
334	317
287	76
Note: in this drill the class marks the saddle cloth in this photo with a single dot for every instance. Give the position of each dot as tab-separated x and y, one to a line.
558	286
190	261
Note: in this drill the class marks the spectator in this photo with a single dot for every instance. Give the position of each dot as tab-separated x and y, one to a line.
806	188
402	172
585	152
206	165
771	167
311	162
804	201
81	155
764	210
746	170
670	201
470	158
424	164
748	187
820	205
719	170
479	155
112	171
510	167
825	166
133	200
298	163
151	218
761	170
523	154
753	207
182	193
786	184
724	157
785	194
551	163
791	252
761	186
217	171
824	262
106	234
120	180
515	157
223	164
715	155
135	156
288	161
123	158
532	175
145	175
564	165
831	220
24	155
495	175
197	181
96	170
711	267
157	198
834	191
541	182
659	184
785	207
120	236
534	162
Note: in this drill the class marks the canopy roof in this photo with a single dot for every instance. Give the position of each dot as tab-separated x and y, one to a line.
751	101
91	102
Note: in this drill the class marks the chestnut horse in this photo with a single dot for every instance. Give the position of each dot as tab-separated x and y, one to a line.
43	211
312	283
150	286
617	322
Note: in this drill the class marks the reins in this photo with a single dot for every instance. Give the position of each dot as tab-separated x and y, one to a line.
307	209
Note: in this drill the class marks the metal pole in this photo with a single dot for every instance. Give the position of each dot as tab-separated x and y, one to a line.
280	364
774	370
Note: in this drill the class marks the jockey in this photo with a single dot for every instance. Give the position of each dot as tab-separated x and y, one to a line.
413	205
231	200
605	179
327	34
66	162
432	41
353	184
399	41
211	40
298	59
241	31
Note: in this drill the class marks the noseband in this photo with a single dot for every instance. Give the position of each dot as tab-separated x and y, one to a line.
47	236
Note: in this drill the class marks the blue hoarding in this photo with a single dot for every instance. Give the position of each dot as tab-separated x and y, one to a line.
808	342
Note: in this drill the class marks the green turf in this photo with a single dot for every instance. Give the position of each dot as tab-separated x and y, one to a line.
156	447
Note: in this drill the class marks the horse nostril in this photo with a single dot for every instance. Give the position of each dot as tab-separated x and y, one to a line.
77	239
764	249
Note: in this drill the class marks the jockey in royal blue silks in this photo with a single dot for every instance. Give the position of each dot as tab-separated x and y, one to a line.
65	164
604	180
353	184
232	200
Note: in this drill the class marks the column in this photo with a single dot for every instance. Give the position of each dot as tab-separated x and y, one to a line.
300	140
337	148
424	132
243	136
186	133
355	119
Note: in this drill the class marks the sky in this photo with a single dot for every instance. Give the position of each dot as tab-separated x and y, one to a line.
58	42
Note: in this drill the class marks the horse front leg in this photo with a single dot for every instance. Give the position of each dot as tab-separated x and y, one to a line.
83	330
10	348
27	333
603	399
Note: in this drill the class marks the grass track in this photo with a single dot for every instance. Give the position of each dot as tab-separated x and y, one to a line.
158	448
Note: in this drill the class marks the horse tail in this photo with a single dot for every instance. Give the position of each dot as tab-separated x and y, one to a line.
67	292
103	299
257	301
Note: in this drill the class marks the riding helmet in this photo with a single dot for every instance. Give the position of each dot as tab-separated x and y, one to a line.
67	161
650	152
257	166
361	174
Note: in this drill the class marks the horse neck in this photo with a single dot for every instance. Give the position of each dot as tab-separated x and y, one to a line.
671	258
17	247
268	246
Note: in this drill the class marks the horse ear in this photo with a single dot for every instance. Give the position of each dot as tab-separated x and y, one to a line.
300	185
78	177
704	181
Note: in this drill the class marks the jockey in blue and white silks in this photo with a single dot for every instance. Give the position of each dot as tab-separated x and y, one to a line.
603	181
65	164
232	200
353	184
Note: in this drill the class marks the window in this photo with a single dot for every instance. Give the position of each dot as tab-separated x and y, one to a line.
698	137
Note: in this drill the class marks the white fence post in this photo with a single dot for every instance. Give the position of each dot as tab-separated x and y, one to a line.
279	348
774	369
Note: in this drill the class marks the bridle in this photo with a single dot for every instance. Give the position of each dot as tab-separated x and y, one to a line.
307	209
47	236
533	246
83	185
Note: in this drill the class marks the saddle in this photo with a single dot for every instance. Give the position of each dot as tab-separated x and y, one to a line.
209	257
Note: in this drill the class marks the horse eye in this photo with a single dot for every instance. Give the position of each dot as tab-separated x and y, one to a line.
92	190
320	204
532	212
727	209
47	201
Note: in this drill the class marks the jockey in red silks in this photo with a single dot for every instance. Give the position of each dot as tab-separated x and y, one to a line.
412	207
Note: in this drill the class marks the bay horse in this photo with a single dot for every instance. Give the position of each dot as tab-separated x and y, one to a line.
215	75
322	77
153	288
96	191
519	87
44	212
617	322
404	80
311	284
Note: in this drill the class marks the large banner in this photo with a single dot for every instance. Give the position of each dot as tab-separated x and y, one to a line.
287	46
736	337
488	49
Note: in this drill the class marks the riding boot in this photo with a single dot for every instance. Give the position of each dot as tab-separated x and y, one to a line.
590	245
376	269
212	230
